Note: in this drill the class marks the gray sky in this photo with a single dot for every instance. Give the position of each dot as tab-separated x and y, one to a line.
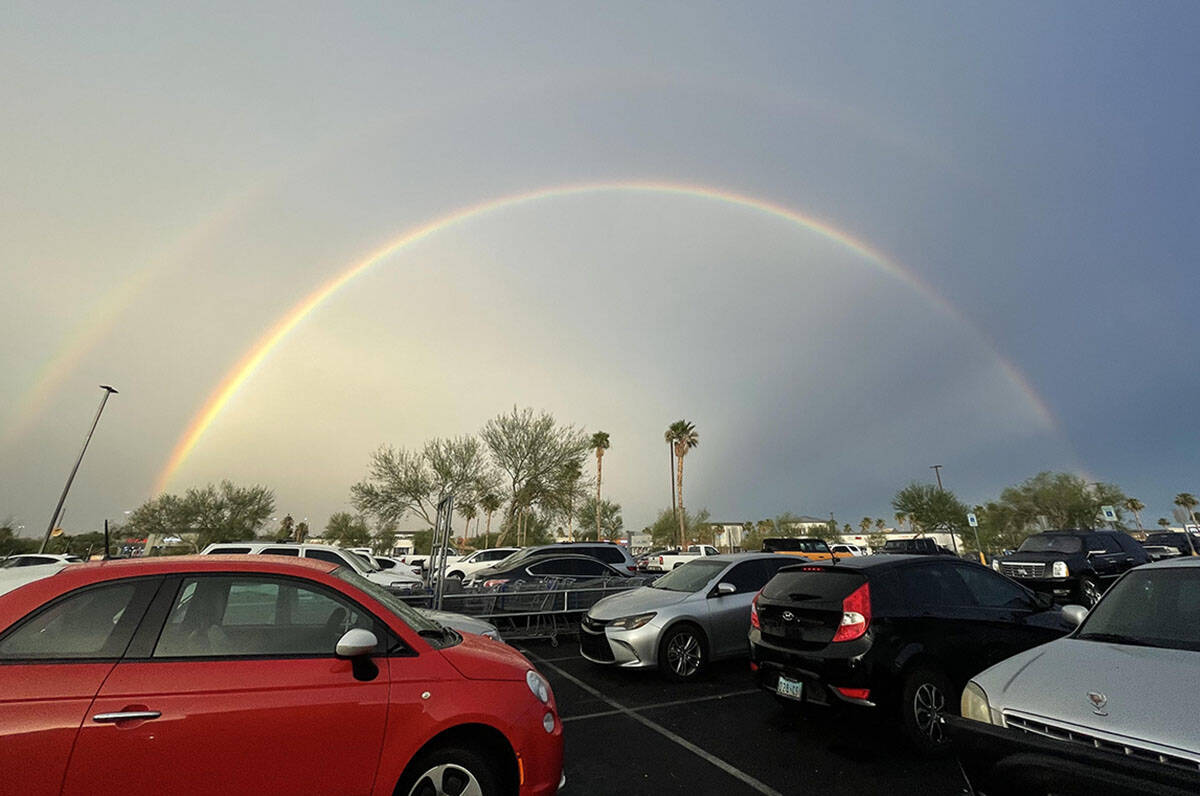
175	180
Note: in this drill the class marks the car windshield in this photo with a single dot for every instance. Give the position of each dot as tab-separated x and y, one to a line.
1051	543
1150	607
795	545
1169	539
411	616
690	577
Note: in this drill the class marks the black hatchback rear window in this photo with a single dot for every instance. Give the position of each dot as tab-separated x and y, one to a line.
824	584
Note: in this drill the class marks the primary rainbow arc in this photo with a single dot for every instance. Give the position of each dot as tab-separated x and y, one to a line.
249	363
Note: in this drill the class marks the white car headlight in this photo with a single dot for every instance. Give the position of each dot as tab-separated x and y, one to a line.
539	686
974	706
996	564
1059	570
631	622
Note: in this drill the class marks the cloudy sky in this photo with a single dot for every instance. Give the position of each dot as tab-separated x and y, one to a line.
847	241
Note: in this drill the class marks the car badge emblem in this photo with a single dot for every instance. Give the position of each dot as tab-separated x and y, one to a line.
788	616
1098	701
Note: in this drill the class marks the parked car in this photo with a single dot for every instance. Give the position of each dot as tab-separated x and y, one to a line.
479	560
608	552
37	559
1072	566
527	570
920	546
164	675
393	580
812	549
388	563
695	614
667	561
423	562
1183	544
901	633
841	550
642	562
1110	709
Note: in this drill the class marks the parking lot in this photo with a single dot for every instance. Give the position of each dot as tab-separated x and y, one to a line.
635	732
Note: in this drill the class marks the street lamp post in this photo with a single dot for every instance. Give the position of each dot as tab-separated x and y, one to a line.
63	497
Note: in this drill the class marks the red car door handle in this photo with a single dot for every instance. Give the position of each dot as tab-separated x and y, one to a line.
132	715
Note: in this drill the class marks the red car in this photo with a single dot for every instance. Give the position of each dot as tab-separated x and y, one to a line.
250	674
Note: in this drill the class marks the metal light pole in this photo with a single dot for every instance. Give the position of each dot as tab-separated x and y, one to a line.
63	498
937	468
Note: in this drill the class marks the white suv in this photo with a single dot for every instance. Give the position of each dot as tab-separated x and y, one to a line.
478	560
394	581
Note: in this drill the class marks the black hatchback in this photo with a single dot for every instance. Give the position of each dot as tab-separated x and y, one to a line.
903	633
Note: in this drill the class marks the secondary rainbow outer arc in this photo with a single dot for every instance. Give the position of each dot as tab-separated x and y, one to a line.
246	367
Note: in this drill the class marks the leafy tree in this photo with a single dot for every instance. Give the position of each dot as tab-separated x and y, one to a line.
599	444
385	539
876	541
607	519
1187	501
225	513
665	530
1135	507
683	437
1062	499
467	511
533	451
287	529
929	508
402	482
347	530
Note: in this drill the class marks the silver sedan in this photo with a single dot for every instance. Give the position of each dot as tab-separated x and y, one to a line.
697	613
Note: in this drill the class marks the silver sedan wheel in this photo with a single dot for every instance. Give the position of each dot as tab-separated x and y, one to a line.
683	654
928	705
447	779
1091	592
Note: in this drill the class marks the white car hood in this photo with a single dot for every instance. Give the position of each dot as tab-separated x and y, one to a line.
1053	682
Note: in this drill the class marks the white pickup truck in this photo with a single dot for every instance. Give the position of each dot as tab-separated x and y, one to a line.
668	561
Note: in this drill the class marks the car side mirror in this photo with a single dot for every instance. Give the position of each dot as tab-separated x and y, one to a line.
724	590
1075	614
356	643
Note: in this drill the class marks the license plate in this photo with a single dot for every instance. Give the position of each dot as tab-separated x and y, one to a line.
790	688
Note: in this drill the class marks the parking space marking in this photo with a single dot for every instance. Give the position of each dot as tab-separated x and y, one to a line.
670	704
663	731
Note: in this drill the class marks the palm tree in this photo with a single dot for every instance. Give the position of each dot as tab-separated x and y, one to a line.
490	504
880	524
864	524
571	474
683	437
599	445
469	511
900	518
1187	501
1164	522
1136	506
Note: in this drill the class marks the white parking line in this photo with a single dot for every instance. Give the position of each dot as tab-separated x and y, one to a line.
663	731
655	705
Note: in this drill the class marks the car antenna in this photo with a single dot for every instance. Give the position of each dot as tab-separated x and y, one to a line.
105	556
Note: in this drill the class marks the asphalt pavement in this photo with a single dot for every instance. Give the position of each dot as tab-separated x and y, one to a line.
633	732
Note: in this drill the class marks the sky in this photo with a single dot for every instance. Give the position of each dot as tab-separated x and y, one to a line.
847	241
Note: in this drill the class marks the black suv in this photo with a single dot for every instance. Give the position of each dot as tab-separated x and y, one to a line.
1072	566
922	545
904	633
1186	544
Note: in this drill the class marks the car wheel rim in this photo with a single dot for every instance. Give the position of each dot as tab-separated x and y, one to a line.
447	779
928	705
683	654
1090	593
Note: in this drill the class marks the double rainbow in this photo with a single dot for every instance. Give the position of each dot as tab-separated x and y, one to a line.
246	366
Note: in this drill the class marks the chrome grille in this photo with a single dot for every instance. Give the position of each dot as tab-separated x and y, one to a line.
1017	570
1035	727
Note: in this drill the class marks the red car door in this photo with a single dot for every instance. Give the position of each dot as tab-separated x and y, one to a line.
51	664
240	693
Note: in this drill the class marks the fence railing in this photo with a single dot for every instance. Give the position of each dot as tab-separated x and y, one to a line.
540	610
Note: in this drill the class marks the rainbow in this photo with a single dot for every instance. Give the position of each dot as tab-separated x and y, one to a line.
248	364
